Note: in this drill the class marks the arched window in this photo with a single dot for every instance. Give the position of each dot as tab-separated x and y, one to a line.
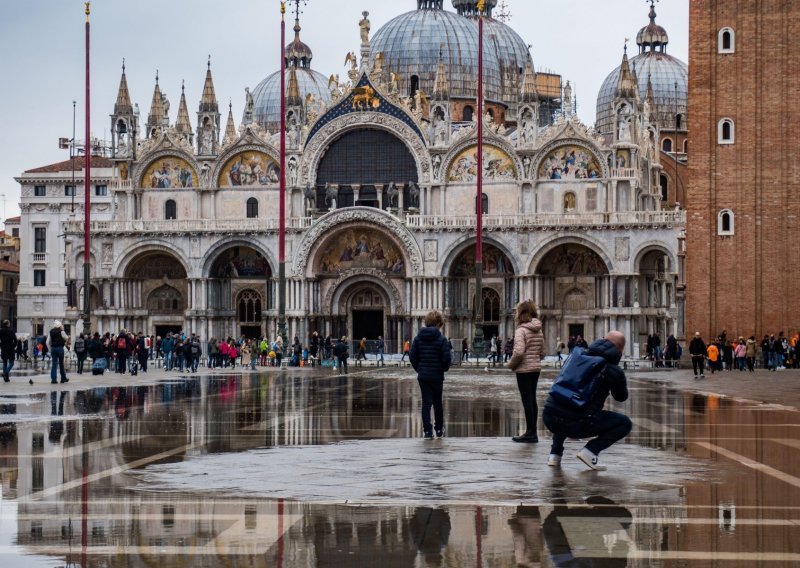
252	208
484	203
685	146
414	85
726	41
726	131
468	112
490	112
725	223
249	307
678	121
491	305
663	184
666	145
170	209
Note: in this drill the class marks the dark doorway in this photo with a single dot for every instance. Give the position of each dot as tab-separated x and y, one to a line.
576	329
368	196
251	331
163	330
367	323
490	331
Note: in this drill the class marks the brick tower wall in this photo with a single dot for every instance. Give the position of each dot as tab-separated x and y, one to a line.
747	283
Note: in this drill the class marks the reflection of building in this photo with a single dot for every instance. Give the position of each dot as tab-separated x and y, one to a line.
743	208
381	177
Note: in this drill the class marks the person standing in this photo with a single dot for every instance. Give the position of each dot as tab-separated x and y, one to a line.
591	421
712	351
57	342
8	346
142	351
381	349
560	348
122	346
741	354
80	351
340	351
526	362
430	356
493	350
697	349
465	350
278	348
750	353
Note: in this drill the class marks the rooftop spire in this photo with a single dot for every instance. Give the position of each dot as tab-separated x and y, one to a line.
293	92
626	87
209	101
183	125
230	128
430	4
441	89
123	104
529	94
156	117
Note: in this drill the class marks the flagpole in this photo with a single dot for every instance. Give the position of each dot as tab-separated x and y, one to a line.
282	199
87	209
477	343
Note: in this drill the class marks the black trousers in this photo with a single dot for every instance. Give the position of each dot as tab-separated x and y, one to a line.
432	396
527	383
697	363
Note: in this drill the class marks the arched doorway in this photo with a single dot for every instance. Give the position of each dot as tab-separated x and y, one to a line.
499	295
359	168
154	282
654	295
573	292
240	288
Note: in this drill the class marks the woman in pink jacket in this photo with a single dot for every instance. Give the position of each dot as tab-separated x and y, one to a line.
526	362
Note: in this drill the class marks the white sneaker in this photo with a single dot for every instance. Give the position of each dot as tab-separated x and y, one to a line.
554	460
590	460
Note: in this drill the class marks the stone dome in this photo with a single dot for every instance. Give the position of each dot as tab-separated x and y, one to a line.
663	70
413	43
267	94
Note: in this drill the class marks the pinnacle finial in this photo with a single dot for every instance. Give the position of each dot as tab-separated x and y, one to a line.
123	65
183	86
156	76
209	62
88	10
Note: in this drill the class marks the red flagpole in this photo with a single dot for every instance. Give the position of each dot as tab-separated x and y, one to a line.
282	199
87	209
477	344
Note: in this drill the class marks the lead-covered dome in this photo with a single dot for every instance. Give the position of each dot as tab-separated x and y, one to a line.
413	43
267	94
669	75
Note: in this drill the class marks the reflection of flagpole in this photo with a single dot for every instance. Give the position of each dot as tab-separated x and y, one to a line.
282	199
477	344
87	208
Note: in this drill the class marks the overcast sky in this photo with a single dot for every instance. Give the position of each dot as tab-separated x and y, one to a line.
42	61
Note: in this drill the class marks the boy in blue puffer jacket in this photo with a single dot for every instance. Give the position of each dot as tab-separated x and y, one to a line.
430	356
592	421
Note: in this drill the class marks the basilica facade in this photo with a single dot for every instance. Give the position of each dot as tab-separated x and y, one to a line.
381	173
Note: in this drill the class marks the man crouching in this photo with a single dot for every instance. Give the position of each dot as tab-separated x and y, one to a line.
587	419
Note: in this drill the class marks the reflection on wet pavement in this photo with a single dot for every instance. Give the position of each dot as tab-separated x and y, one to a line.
315	470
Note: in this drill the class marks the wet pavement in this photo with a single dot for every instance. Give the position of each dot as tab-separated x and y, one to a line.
304	469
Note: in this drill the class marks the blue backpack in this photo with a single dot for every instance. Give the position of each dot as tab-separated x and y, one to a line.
579	379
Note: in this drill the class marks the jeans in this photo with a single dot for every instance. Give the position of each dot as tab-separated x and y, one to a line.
81	360
526	383
168	361
380	355
57	361
432	396
8	364
122	360
741	363
194	361
608	427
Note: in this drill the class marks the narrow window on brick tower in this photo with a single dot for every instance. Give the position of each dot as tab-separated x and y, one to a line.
725	223
726	131
726	41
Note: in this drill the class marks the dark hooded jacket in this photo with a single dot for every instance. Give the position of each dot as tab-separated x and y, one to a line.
430	354
614	382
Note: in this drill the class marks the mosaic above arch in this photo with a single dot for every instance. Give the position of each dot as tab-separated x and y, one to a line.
241	262
497	165
570	162
249	169
359	247
170	172
494	261
572	260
